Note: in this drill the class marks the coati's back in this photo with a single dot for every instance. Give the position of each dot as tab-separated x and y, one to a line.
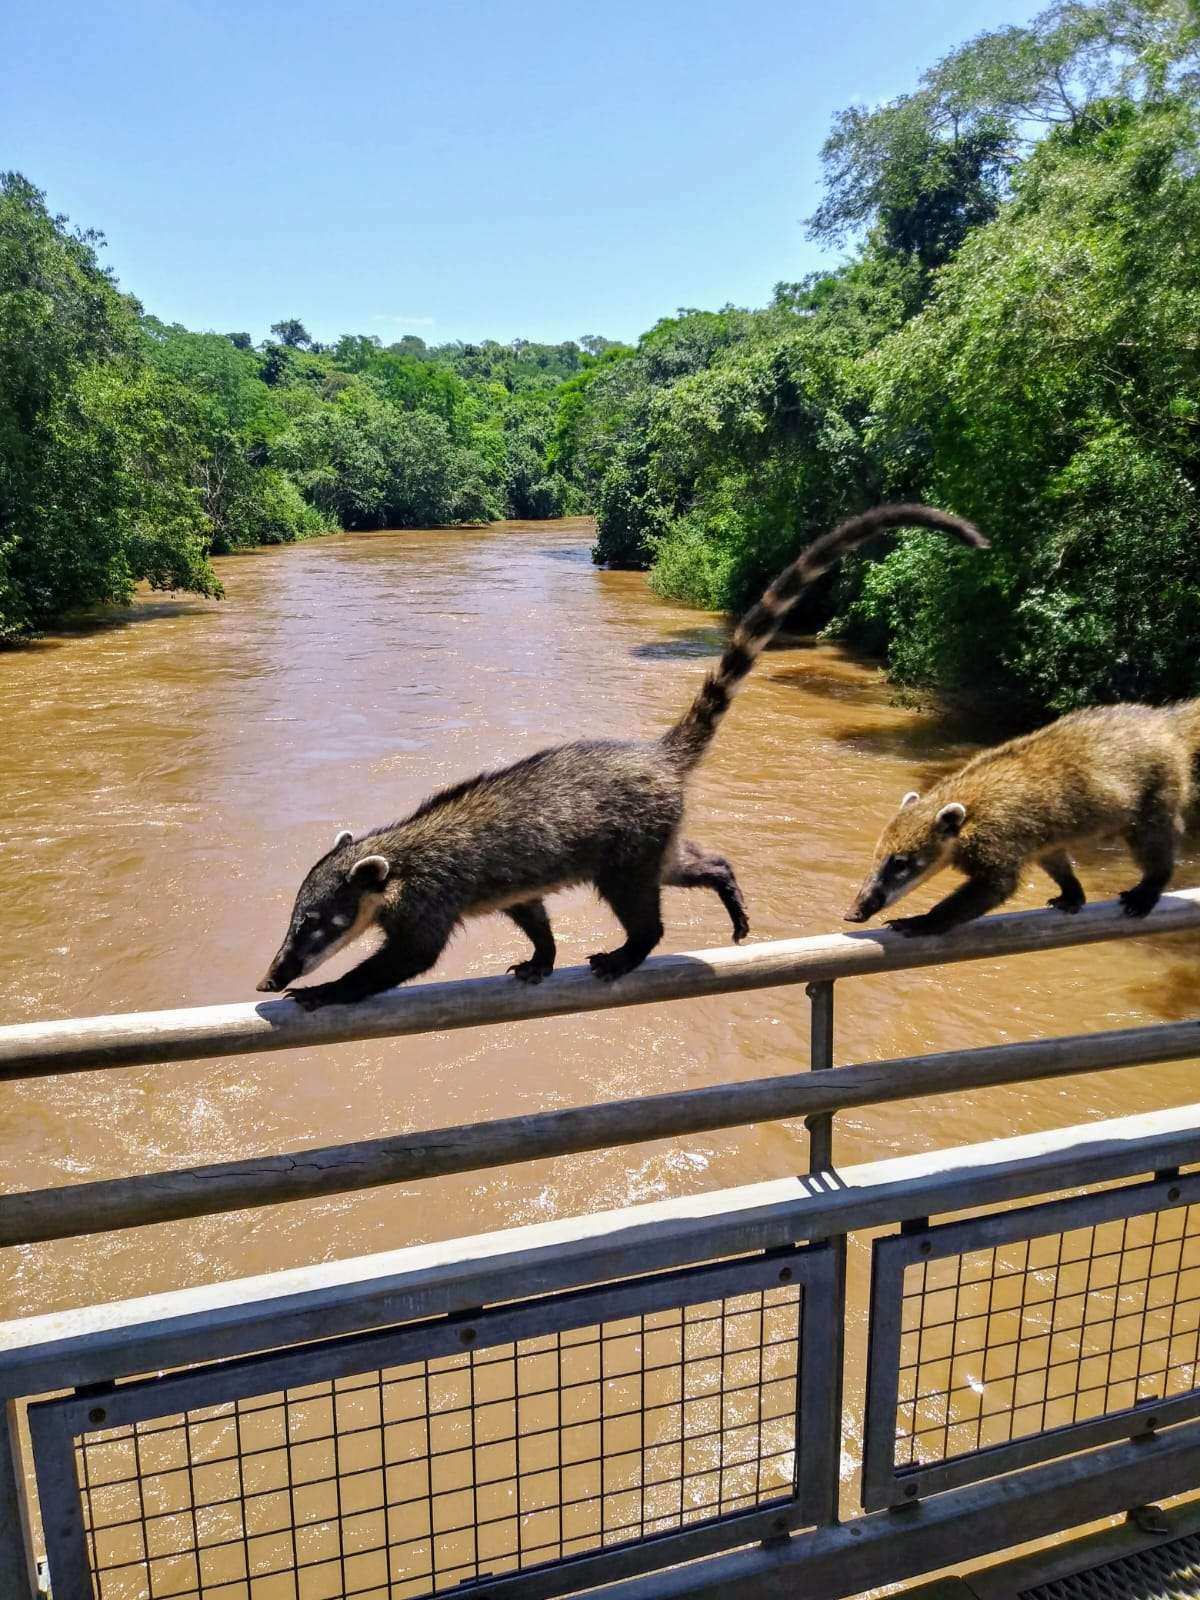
562	816
1079	777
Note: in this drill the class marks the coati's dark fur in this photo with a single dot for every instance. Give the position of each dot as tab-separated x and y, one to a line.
1113	772
596	812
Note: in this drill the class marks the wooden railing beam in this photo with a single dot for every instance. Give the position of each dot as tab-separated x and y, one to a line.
84	1208
40	1049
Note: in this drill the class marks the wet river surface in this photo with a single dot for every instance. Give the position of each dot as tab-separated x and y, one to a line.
168	776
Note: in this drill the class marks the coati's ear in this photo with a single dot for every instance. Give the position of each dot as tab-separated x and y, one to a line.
951	818
343	838
910	799
376	867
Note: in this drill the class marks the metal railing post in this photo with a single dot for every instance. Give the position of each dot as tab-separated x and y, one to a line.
18	1566
820	1127
833	1314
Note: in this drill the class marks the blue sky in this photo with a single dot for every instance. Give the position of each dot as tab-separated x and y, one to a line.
462	169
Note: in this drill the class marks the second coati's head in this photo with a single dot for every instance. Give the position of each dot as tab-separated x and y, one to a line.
916	843
338	900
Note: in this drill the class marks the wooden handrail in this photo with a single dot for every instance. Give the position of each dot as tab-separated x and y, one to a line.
40	1049
83	1208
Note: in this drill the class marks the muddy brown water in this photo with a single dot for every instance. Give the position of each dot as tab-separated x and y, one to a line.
168	776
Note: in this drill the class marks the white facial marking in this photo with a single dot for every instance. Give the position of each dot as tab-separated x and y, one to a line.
368	908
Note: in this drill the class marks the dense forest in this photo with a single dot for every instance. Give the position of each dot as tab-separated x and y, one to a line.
1014	334
131	450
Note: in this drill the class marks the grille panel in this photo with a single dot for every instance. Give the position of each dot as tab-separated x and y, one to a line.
1017	1339
1008	1339
464	1454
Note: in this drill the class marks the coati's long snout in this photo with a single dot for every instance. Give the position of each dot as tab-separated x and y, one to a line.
914	845
598	812
337	902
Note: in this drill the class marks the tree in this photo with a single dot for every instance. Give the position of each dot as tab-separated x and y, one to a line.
292	333
1051	390
934	163
96	486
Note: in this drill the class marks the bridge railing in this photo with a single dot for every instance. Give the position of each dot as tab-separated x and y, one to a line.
600	1399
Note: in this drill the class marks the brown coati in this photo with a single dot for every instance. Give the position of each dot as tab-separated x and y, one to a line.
597	812
1112	772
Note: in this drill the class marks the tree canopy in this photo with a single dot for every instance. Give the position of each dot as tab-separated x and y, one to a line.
131	449
1016	336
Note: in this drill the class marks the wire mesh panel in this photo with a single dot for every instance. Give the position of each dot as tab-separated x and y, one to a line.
406	1464
1009	1339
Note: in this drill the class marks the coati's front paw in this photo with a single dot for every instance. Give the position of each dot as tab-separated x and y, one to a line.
741	930
915	927
611	964
1070	903
531	971
1140	901
316	996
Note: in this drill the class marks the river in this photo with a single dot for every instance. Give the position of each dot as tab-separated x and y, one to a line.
170	773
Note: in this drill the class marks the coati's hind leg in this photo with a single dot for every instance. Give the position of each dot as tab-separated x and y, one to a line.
1151	842
530	916
695	868
1059	865
636	897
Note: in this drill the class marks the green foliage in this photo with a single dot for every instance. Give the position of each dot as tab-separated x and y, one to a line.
1051	389
366	463
291	332
96	467
132	450
1016	338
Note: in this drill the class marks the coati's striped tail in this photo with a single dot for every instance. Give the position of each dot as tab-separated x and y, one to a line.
689	738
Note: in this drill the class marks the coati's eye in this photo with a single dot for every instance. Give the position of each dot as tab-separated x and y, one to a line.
900	864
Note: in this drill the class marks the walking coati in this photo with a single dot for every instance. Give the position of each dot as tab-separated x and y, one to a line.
1113	772
597	811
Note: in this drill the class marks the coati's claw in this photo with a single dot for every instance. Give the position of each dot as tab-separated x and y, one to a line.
531	971
913	927
608	965
1070	903
1139	902
314	997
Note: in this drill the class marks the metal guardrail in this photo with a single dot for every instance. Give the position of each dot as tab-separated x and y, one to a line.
628	1398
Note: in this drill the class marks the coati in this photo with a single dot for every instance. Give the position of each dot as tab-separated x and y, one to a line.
598	812
1113	772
